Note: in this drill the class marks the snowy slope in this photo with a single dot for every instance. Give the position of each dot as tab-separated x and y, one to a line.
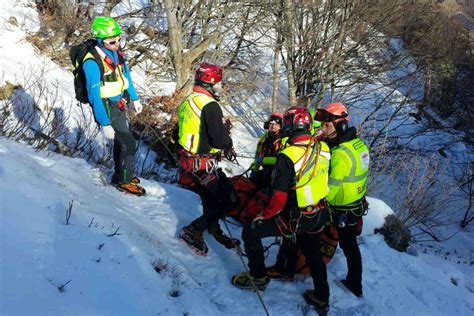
39	253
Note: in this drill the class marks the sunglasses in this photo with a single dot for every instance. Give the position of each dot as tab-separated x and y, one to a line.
266	125
113	42
324	116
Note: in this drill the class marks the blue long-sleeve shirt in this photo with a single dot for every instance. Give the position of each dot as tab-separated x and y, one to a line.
93	78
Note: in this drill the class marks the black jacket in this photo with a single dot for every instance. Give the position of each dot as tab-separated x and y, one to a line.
213	133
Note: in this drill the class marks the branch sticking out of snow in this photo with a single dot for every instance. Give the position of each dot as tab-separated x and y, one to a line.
69	213
115	233
61	287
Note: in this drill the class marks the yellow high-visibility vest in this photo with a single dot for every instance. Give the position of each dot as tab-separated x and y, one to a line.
349	171
112	83
189	121
311	162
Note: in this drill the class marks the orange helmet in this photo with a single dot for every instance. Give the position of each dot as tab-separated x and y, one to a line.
333	112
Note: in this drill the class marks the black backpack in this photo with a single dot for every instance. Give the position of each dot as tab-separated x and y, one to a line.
77	54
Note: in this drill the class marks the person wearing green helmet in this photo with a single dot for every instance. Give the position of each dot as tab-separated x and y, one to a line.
110	89
105	27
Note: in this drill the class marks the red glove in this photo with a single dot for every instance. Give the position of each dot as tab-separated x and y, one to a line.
277	202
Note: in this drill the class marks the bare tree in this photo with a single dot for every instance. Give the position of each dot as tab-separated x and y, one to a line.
276	71
61	10
290	50
182	60
90	9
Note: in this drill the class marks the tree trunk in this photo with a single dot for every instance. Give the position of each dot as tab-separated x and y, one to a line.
289	18
276	68
175	37
90	9
63	11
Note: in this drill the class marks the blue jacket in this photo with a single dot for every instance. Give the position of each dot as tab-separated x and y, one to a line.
92	72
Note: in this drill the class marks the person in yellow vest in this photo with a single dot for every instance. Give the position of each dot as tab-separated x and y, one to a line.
107	95
297	208
268	147
347	186
285	265
203	137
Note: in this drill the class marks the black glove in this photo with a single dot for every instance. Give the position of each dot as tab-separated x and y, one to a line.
230	154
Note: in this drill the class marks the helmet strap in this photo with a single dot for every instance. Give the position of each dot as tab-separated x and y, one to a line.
335	133
216	90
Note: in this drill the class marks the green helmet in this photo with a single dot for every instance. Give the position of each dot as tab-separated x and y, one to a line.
316	124
104	26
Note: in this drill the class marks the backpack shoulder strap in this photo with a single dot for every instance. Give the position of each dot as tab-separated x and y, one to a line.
121	57
91	45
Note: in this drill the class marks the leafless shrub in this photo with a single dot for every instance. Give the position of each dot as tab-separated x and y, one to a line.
35	113
422	197
15	118
467	187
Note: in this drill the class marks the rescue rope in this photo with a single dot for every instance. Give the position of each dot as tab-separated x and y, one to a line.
239	252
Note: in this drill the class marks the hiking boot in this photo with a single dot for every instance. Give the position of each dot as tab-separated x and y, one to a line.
131	188
194	240
228	242
274	273
321	307
115	179
246	281
354	290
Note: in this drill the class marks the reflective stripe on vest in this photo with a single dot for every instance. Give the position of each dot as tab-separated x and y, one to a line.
353	187
311	163
189	121
112	83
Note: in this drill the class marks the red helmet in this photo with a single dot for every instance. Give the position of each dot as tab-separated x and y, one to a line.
208	73
333	112
297	118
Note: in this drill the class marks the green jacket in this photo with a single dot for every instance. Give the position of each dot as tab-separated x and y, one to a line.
348	173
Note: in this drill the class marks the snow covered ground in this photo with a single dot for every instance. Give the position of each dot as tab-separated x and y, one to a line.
115	275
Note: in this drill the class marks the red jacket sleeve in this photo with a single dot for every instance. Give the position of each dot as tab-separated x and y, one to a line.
277	202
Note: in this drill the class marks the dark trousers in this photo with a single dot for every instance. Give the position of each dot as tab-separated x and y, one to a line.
310	245
287	257
348	243
216	195
124	143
